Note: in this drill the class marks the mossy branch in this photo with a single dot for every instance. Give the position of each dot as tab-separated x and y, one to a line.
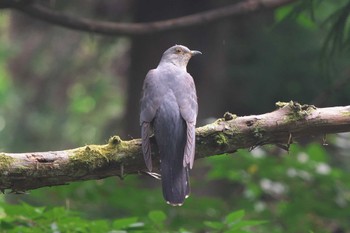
26	171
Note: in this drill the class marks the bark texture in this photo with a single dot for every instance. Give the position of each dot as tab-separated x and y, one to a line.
26	171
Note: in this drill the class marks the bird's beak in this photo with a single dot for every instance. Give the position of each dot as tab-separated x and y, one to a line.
195	52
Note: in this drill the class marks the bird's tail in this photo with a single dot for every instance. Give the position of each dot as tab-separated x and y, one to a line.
170	132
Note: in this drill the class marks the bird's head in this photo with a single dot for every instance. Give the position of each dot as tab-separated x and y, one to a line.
179	55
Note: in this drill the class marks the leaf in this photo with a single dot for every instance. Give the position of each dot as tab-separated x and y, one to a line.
136	225
317	153
236	231
23	210
234	216
214	225
283	12
296	12
248	223
123	223
157	216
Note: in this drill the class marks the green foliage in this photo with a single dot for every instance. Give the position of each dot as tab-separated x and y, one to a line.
232	223
298	13
26	218
337	40
332	15
157	218
296	192
301	187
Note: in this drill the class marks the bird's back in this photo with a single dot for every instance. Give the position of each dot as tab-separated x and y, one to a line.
169	105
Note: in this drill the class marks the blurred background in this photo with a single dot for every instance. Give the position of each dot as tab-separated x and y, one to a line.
61	89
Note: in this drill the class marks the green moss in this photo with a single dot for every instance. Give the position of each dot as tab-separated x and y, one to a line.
229	116
114	140
297	111
280	104
6	161
115	144
295	106
346	113
221	139
258	132
219	120
96	156
89	157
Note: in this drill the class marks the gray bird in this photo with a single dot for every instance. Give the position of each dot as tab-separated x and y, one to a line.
169	107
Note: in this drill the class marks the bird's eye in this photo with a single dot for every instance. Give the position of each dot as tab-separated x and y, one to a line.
178	50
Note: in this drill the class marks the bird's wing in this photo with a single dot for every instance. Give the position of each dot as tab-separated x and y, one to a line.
150	102
190	145
146	146
187	99
151	96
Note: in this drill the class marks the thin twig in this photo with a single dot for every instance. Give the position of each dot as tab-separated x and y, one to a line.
134	29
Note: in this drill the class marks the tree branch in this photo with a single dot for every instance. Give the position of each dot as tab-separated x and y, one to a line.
26	171
133	29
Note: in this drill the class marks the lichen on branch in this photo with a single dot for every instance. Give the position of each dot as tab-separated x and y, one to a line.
25	171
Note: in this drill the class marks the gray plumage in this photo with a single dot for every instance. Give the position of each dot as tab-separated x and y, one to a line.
169	107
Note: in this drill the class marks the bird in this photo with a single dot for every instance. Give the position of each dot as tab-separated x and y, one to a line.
169	110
